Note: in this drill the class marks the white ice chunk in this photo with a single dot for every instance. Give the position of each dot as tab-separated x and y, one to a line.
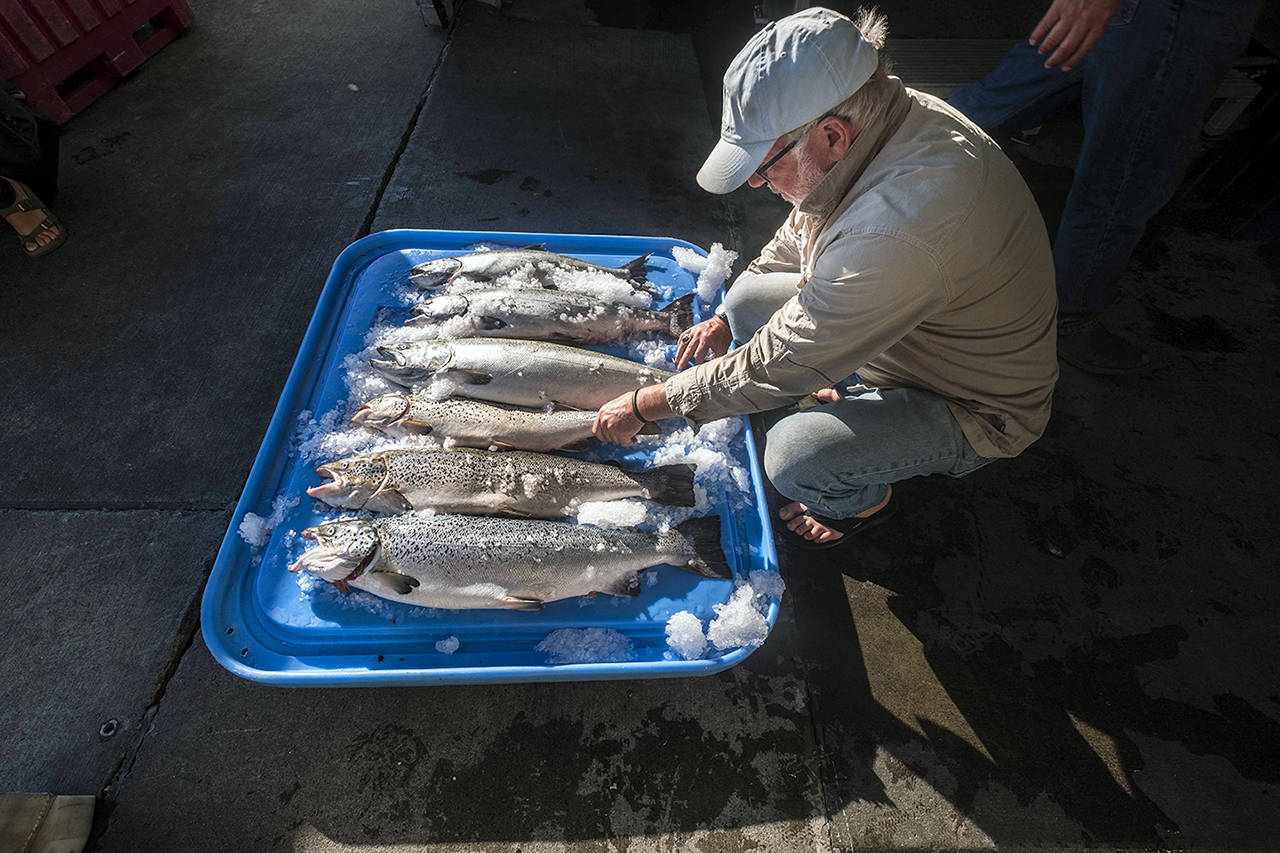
626	513
768	584
713	270
586	645
685	636
448	645
256	530
738	623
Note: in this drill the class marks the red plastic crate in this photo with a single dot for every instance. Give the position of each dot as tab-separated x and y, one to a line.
65	54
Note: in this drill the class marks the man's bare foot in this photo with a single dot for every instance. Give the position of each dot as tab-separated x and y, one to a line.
37	227
795	514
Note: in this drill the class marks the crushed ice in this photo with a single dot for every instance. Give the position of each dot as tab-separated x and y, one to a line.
586	645
714	450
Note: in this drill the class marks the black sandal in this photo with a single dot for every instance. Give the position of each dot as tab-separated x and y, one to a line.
846	526
27	202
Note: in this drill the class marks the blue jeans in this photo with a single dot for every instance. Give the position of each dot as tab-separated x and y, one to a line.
1144	90
839	458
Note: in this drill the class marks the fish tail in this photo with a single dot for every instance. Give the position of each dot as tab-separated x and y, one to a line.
679	315
709	559
671	484
637	270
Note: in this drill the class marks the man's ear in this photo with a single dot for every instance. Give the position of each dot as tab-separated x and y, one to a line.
837	135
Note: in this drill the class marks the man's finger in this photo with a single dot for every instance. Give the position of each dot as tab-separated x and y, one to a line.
1046	23
1056	35
683	353
1067	47
1086	47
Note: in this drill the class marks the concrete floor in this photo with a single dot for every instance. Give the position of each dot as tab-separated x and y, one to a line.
1075	648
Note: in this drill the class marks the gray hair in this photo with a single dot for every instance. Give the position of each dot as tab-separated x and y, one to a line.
873	96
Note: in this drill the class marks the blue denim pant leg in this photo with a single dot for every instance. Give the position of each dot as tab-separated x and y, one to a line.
1019	94
1143	91
840	458
754	297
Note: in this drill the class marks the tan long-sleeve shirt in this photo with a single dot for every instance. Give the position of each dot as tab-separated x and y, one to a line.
924	264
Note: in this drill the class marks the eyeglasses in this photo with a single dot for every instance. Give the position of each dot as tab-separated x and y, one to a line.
760	172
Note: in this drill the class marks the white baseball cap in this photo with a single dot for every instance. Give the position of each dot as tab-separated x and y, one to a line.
790	73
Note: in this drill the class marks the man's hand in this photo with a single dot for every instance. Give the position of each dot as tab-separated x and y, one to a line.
1071	29
703	342
616	423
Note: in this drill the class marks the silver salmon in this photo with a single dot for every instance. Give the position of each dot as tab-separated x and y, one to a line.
547	315
532	262
472	423
535	485
523	373
467	562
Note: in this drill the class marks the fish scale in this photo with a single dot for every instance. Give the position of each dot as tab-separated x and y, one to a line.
548	315
479	481
462	562
520	372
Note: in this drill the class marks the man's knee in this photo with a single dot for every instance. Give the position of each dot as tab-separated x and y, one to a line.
752	299
793	457
739	310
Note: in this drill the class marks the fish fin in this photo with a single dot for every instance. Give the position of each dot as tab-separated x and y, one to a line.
387	500
636	270
574	447
402	584
679	314
628	585
515	602
559	338
479	276
472	377
490	323
650	429
534	247
709	559
416	427
671	484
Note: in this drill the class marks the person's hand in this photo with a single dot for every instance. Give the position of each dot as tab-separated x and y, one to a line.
703	342
1071	29
616	422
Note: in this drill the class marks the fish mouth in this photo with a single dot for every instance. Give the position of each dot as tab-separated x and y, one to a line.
392	356
429	276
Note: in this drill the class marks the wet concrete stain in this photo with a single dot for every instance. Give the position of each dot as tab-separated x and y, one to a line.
1191	334
488	177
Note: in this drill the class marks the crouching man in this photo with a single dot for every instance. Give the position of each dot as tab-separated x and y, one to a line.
911	287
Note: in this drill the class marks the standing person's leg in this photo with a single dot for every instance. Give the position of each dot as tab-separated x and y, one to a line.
839	460
1019	94
1145	90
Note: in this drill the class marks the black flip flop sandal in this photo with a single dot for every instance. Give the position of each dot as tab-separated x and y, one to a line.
846	526
26	204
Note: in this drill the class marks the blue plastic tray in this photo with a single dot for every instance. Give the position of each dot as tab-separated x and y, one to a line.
258	624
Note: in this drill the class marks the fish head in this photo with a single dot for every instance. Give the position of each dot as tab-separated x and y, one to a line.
407	364
438	309
352	481
383	412
342	548
435	273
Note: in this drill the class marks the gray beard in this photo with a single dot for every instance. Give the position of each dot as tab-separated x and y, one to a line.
808	175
